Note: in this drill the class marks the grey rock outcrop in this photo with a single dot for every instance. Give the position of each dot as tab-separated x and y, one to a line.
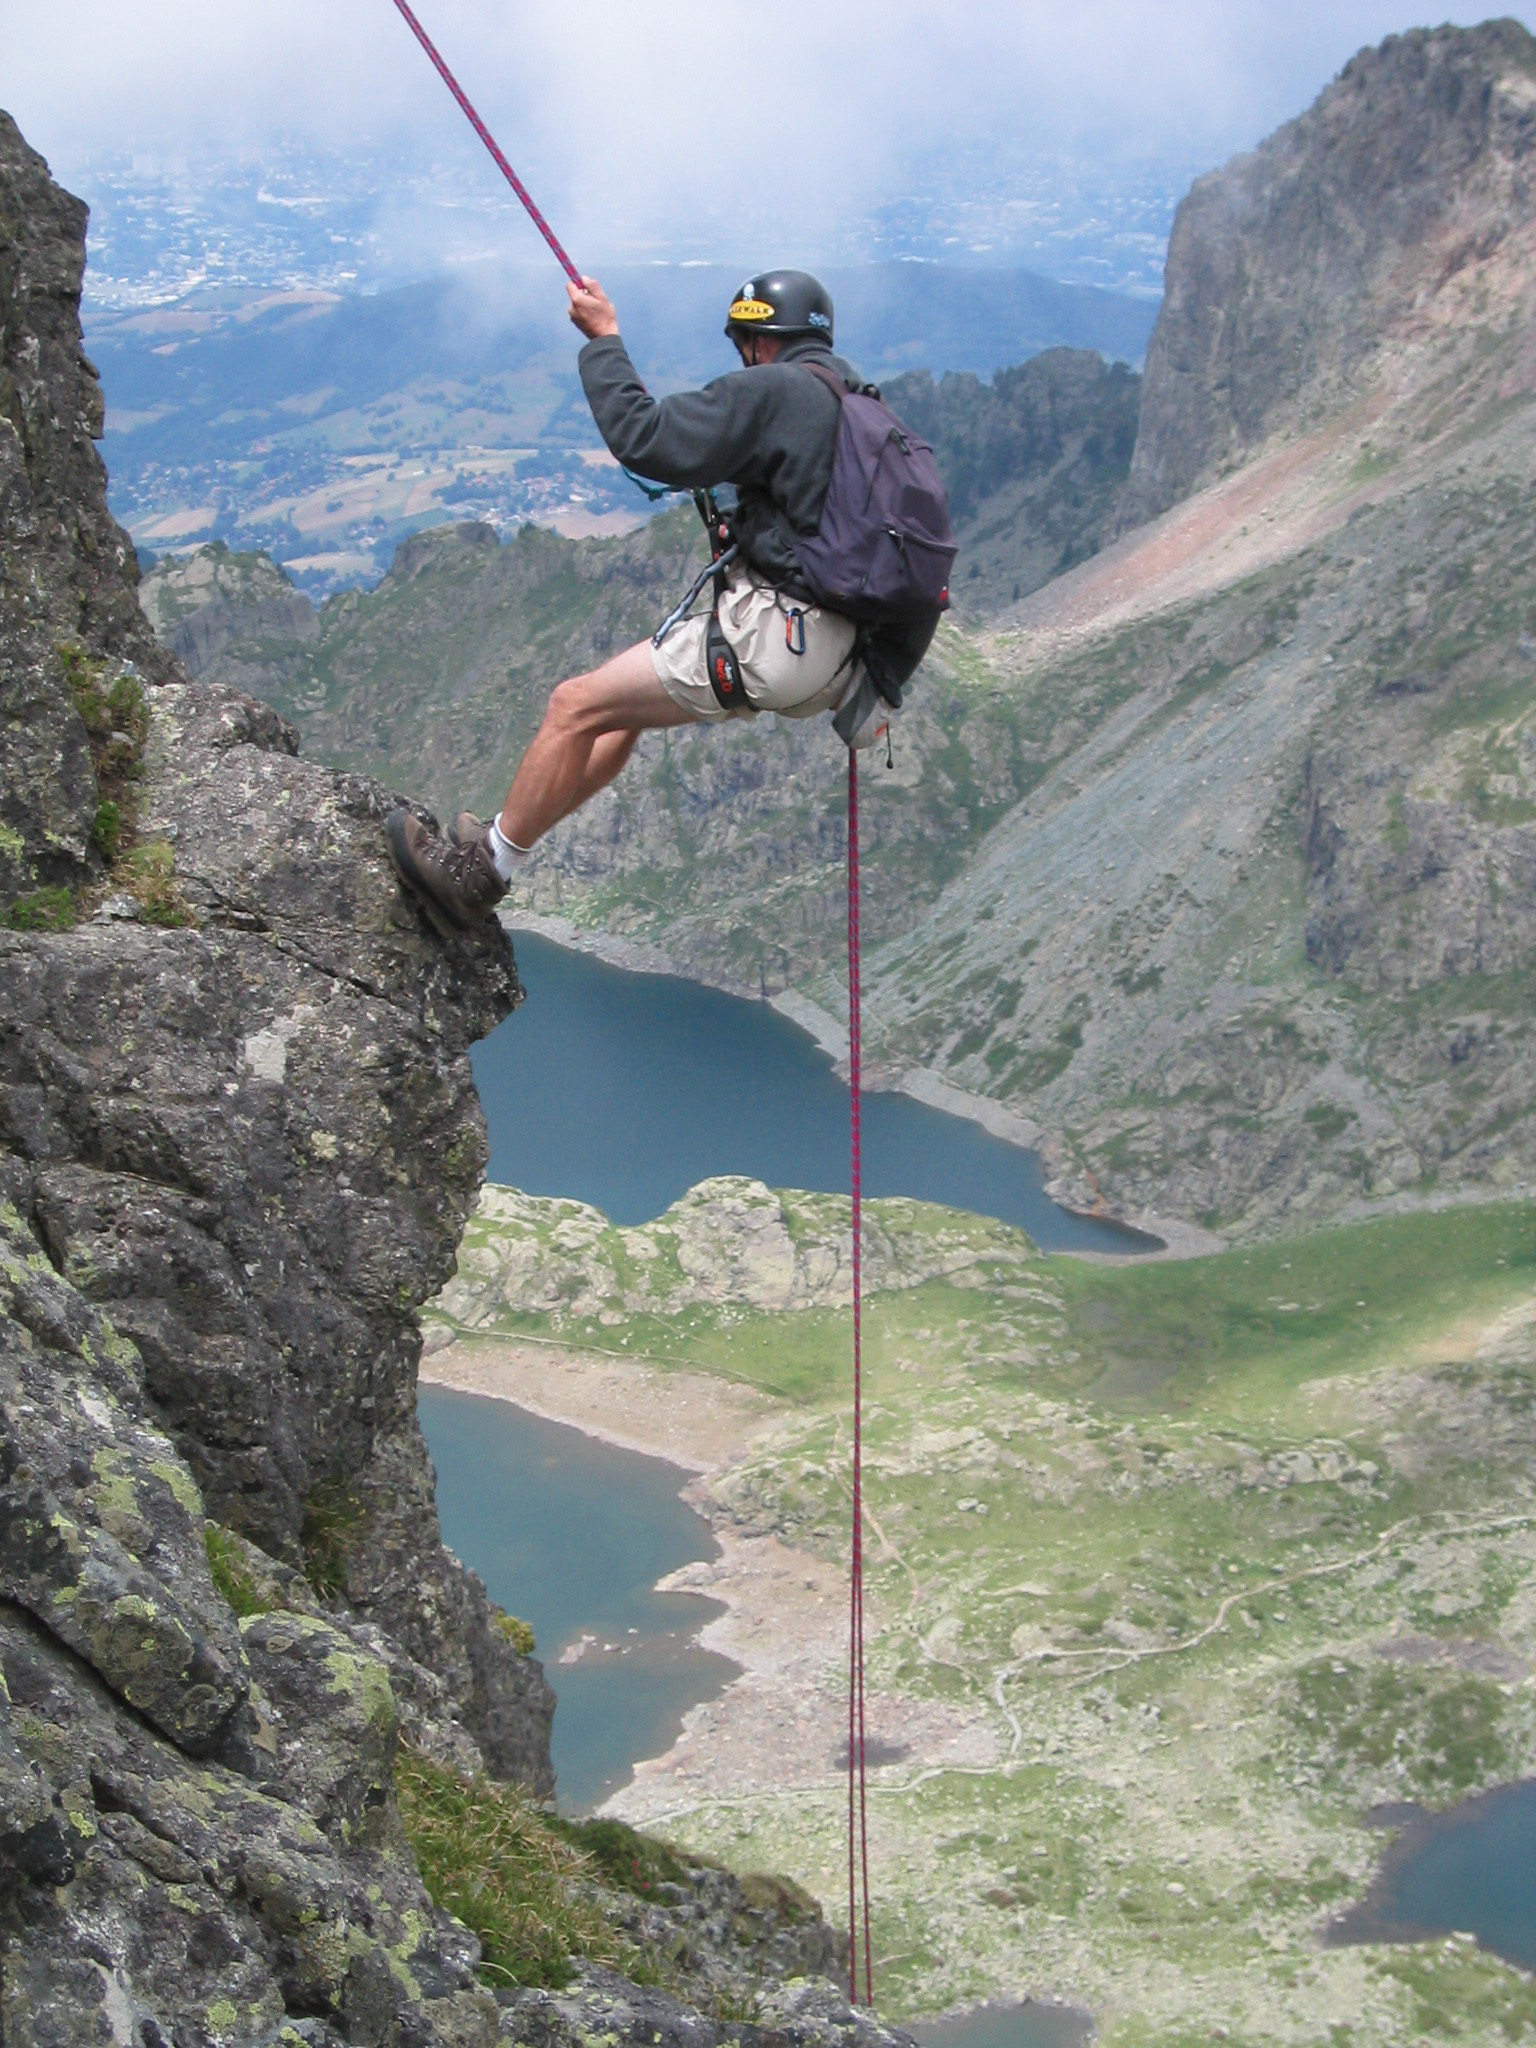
1290	269
603	2007
67	571
214	599
238	1140
188	1901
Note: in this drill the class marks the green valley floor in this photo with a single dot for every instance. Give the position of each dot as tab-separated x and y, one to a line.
1178	1570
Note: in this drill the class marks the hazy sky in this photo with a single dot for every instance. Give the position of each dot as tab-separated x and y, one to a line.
814	105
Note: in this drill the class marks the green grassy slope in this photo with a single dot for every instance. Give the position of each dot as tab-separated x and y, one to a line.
1181	1567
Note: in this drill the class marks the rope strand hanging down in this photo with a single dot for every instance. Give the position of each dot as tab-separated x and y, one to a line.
858	1827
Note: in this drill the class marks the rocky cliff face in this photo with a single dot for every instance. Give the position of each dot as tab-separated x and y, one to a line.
1294	271
238	1141
67	566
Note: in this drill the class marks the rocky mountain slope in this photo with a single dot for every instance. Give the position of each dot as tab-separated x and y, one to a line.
239	1140
1211	856
1035	464
1277	914
1296	273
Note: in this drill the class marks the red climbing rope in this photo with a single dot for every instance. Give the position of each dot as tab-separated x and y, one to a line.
489	140
858	1828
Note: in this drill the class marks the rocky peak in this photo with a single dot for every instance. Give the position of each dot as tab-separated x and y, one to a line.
203	603
439	544
1293	271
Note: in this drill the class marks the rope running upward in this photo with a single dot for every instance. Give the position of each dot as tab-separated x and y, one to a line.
489	140
858	1830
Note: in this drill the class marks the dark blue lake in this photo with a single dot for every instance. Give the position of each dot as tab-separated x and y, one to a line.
1470	1870
625	1090
572	1535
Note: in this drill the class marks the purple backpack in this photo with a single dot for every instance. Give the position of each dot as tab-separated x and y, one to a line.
884	548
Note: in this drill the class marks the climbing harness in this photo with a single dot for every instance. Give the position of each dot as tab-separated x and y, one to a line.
858	1826
723	551
720	659
724	669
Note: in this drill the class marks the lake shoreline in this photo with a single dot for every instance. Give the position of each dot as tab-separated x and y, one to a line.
780	1724
1178	1239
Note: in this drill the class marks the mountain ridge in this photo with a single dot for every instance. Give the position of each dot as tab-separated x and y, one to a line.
1306	619
1295	270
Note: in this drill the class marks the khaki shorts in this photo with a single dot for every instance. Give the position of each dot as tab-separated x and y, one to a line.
765	630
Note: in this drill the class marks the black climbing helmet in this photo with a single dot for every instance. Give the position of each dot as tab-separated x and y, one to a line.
781	302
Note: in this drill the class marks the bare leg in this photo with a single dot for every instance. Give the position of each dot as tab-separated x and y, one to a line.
589	731
607	757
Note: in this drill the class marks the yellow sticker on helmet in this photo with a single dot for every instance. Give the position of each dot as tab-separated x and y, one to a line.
751	309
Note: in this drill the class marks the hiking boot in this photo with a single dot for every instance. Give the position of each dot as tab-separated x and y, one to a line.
456	884
466	828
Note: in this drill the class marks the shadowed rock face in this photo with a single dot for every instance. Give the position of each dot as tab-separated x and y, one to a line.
68	570
1289	269
238	1141
1034	464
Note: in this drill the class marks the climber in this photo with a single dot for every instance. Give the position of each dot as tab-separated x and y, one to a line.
771	431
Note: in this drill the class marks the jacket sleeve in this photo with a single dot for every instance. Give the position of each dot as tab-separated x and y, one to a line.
692	441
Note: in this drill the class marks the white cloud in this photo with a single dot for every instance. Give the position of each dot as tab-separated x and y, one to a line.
808	106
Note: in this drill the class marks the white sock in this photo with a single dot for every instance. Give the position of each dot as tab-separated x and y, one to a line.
504	855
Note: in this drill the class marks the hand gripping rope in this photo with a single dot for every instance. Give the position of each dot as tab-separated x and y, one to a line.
858	1829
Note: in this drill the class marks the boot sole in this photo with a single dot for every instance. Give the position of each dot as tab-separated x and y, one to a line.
405	868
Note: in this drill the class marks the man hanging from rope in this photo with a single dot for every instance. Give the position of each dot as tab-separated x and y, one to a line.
770	429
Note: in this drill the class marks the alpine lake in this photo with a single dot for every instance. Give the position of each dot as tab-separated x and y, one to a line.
623	1090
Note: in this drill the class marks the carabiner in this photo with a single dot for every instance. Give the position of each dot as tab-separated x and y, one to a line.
794	630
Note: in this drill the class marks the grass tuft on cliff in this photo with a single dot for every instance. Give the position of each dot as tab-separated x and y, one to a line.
329	1533
489	1858
232	1581
44	910
518	1633
623	1859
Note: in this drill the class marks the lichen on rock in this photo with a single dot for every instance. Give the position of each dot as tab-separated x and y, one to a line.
239	1141
210	1262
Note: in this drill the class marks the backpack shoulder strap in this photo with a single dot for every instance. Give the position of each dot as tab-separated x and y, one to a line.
839	386
825	374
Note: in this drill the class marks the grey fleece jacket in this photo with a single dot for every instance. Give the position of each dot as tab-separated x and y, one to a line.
770	431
